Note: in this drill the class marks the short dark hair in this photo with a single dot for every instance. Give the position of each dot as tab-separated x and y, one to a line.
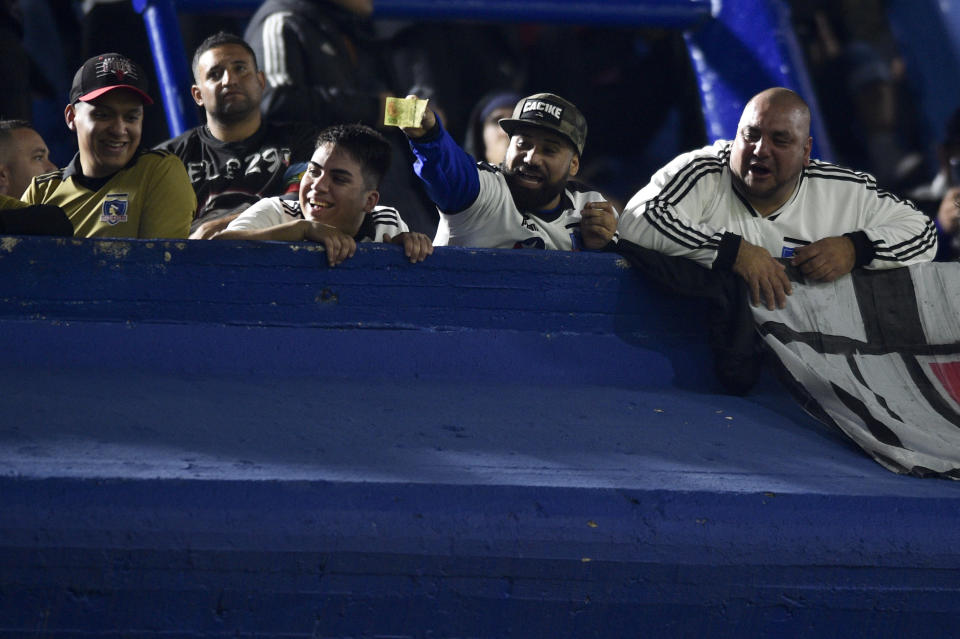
219	39
366	146
6	137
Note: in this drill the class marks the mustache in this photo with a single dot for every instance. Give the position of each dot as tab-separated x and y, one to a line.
523	168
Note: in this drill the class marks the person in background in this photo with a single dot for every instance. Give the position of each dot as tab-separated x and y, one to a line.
238	156
23	156
484	139
112	188
337	204
940	198
321	60
868	107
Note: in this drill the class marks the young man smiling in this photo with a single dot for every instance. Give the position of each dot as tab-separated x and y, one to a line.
111	188
529	201
337	203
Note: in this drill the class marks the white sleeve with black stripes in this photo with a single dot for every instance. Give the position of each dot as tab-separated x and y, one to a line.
899	233
667	215
265	213
381	220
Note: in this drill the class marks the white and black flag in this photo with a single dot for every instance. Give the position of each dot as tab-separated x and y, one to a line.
877	354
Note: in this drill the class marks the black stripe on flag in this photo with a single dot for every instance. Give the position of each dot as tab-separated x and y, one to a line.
888	306
877	428
840	345
929	392
881	401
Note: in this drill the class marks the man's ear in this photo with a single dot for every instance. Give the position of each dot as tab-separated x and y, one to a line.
196	95
262	79
69	115
574	165
371	201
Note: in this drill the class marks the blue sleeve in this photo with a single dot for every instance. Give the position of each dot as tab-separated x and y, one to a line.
450	175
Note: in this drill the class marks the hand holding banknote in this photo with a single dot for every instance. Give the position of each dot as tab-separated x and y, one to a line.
410	114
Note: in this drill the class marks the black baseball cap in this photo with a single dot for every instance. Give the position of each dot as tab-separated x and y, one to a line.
549	111
106	72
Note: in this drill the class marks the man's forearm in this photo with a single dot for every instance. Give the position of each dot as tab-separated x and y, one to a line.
449	174
289	232
206	230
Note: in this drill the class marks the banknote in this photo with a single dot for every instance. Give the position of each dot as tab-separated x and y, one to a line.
404	112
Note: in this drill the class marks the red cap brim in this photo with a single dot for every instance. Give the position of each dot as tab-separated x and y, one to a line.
93	95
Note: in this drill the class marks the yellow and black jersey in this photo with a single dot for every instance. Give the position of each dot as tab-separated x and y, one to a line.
151	197
7	202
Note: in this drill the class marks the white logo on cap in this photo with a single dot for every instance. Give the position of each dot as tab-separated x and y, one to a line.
539	108
120	67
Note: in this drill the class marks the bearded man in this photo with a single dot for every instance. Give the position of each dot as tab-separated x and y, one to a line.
528	201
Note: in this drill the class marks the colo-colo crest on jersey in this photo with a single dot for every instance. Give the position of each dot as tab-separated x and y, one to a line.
114	209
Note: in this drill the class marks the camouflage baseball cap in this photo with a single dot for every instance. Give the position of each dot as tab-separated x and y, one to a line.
549	111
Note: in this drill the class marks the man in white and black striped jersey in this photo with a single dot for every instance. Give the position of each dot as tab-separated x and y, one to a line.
738	205
338	201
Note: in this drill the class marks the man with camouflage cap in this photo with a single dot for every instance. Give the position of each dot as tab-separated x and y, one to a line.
529	201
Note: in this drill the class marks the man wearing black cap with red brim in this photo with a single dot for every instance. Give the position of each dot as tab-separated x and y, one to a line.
112	188
530	200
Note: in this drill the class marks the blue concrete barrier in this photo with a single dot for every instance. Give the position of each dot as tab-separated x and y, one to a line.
222	439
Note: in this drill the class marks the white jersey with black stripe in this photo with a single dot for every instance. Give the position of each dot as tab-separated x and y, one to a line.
494	221
273	211
690	204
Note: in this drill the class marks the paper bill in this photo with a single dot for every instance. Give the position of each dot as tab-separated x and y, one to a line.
404	112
